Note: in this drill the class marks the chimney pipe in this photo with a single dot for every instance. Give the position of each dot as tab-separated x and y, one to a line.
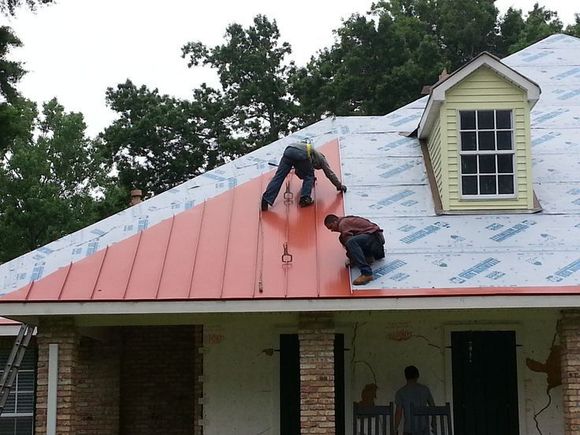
136	197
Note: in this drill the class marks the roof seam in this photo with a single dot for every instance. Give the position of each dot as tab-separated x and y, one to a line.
196	249
133	264
227	243
98	274
169	236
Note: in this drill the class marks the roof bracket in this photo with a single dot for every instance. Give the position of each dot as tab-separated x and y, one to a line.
286	256
288	195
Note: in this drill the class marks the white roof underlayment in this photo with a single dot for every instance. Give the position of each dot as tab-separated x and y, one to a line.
387	182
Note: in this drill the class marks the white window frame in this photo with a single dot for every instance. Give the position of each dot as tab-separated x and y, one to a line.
495	152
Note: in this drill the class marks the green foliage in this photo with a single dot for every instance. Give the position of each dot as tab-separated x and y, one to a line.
48	181
379	62
10	71
158	141
254	100
539	24
511	26
8	7
574	29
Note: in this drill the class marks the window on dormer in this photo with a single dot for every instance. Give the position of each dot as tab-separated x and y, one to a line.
486	153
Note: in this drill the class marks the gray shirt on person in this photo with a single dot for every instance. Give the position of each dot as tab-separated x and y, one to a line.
318	162
418	395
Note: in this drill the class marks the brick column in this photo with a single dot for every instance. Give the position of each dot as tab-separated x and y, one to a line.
316	337
569	329
61	331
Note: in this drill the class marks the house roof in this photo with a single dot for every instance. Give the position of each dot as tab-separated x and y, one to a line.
223	248
427	255
483	60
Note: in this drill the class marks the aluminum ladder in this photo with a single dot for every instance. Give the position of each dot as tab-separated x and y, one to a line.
13	363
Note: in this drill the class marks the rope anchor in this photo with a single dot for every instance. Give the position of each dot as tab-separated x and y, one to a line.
286	256
288	195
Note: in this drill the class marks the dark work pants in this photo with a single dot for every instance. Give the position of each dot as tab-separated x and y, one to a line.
358	248
292	158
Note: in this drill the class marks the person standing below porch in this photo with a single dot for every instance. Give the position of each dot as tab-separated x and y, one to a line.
304	159
412	393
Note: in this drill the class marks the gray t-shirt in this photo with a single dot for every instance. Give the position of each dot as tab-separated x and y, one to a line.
418	395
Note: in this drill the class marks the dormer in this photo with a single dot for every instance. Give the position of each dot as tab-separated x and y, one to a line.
475	132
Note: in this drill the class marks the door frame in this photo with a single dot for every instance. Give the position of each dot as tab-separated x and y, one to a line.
293	329
517	328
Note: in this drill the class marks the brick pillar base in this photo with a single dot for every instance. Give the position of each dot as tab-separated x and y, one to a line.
569	329
316	337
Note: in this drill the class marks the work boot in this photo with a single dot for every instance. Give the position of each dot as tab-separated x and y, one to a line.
305	201
363	279
264	205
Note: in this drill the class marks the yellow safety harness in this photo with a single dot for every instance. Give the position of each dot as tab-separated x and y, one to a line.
309	149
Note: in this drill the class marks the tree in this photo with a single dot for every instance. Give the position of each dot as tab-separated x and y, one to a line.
254	97
539	24
48	181
158	141
10	73
511	26
379	62
574	29
465	28
8	7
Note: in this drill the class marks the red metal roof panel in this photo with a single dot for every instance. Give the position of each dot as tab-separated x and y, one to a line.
224	248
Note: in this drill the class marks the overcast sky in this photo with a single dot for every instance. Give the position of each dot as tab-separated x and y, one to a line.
75	49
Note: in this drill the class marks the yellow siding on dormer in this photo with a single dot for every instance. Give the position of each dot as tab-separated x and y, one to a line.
434	148
484	89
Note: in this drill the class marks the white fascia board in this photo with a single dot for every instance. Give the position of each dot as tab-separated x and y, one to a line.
294	305
437	96
428	118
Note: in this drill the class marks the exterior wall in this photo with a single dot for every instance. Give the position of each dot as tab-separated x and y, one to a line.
64	333
316	337
570	340
88	381
241	364
158	380
97	387
481	90
434	145
136	380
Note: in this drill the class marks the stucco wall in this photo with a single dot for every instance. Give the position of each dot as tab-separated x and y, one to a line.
241	381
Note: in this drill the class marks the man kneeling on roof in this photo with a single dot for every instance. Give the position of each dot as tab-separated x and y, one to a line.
363	240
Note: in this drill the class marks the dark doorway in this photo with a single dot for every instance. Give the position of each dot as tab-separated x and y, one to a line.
290	384
485	390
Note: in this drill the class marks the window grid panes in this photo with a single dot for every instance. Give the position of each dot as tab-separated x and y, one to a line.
18	415
487	153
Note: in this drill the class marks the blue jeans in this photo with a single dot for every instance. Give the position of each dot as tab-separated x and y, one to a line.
358	248
292	158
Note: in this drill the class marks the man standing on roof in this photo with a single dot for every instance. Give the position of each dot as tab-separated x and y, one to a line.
304	159
363	240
